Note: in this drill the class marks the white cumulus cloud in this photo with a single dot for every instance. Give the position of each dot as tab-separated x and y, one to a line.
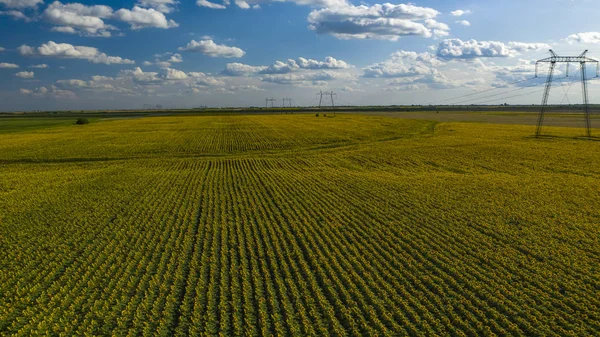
240	69
208	4
458	49
99	11
210	48
170	76
172	58
26	50
525	46
140	18
21	3
77	18
204	80
68	30
328	63
255	4
409	71
97	83
463	23
39	92
25	74
52	92
173	74
471	49
380	21
439	29
279	67
307	78
8	65
460	12
403	64
176	58
16	15
587	37
302	63
157	63
163	6
247	87
68	51
141	77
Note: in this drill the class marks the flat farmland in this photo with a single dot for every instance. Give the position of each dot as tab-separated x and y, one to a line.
296	225
564	119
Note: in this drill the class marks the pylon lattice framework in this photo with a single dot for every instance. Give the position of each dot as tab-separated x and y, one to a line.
327	93
271	101
582	59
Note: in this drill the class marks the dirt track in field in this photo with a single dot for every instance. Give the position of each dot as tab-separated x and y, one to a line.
517	118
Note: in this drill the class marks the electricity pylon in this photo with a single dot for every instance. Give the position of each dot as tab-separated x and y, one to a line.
327	93
330	94
288	100
582	59
269	100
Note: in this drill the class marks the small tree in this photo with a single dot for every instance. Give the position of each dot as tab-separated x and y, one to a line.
81	121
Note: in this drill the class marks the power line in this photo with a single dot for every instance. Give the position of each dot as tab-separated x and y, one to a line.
481	91
499	94
566	91
502	93
486	90
512	96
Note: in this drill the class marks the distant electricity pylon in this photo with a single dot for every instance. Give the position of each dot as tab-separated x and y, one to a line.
331	94
289	103
327	93
269	100
150	106
553	60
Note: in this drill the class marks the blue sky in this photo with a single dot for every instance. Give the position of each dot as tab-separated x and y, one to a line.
187	53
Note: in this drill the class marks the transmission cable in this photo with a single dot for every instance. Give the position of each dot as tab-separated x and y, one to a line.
562	85
482	91
507	97
512	96
502	93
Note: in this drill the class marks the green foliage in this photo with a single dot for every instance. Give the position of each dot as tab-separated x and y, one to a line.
20	124
284	225
81	121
